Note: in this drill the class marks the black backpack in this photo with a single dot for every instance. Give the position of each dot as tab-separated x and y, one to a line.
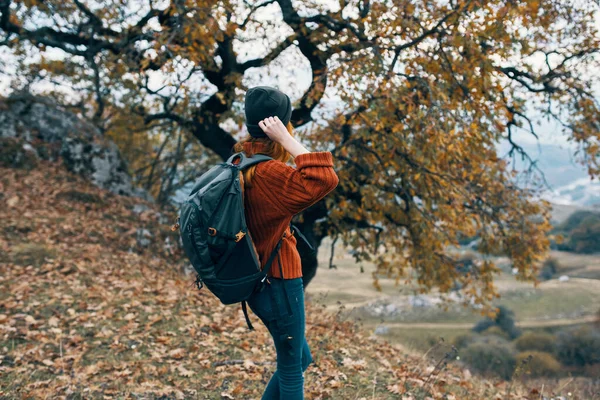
215	236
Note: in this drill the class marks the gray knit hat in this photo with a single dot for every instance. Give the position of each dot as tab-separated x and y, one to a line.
262	102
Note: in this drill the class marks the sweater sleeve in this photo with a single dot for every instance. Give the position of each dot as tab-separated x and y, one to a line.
296	189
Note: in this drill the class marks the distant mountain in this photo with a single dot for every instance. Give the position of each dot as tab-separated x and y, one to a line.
569	183
582	192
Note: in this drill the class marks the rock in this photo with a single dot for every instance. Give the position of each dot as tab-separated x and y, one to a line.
390	309
142	237
188	269
382	330
54	132
168	246
140	208
162	219
467	374
419	301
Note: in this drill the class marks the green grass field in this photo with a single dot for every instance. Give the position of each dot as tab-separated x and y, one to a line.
549	305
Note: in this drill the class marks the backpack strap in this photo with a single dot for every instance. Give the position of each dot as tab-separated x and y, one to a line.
245	310
296	231
246	161
266	269
275	252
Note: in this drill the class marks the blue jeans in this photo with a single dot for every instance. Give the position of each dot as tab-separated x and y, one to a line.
287	330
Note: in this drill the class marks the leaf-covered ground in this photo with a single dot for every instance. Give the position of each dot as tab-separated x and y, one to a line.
94	304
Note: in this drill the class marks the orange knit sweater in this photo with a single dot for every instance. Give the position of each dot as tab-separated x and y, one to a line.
278	192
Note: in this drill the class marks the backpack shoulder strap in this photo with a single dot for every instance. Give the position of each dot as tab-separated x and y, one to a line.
246	161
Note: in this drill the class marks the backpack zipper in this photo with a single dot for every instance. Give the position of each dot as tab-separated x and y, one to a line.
231	182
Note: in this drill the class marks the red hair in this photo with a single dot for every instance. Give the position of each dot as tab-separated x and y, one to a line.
267	147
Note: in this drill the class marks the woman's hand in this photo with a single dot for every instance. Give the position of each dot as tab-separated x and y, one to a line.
274	129
277	132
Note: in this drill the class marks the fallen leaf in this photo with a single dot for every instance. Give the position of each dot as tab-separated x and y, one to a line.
129	317
125	372
358	364
177	353
335	383
184	372
13	201
163	339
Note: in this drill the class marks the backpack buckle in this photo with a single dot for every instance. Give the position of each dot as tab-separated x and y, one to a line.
198	282
239	236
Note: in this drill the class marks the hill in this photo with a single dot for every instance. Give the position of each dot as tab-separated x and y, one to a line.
95	304
568	180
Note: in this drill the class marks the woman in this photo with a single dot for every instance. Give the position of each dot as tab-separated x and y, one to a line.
274	192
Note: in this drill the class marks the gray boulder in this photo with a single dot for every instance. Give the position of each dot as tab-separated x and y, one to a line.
54	132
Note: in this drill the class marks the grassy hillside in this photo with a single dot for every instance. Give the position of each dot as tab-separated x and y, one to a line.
549	304
94	304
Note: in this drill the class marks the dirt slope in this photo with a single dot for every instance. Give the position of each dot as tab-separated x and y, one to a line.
94	304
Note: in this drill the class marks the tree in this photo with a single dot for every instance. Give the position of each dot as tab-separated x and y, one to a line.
428	87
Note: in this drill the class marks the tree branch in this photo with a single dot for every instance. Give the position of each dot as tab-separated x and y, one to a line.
273	54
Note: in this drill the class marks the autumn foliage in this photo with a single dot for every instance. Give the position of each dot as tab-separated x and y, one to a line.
427	91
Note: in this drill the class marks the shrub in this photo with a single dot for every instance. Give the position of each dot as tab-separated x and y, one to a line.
586	237
534	341
538	363
489	339
484	325
579	346
549	269
504	319
495	331
81	197
462	341
582	232
14	155
592	371
490	358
